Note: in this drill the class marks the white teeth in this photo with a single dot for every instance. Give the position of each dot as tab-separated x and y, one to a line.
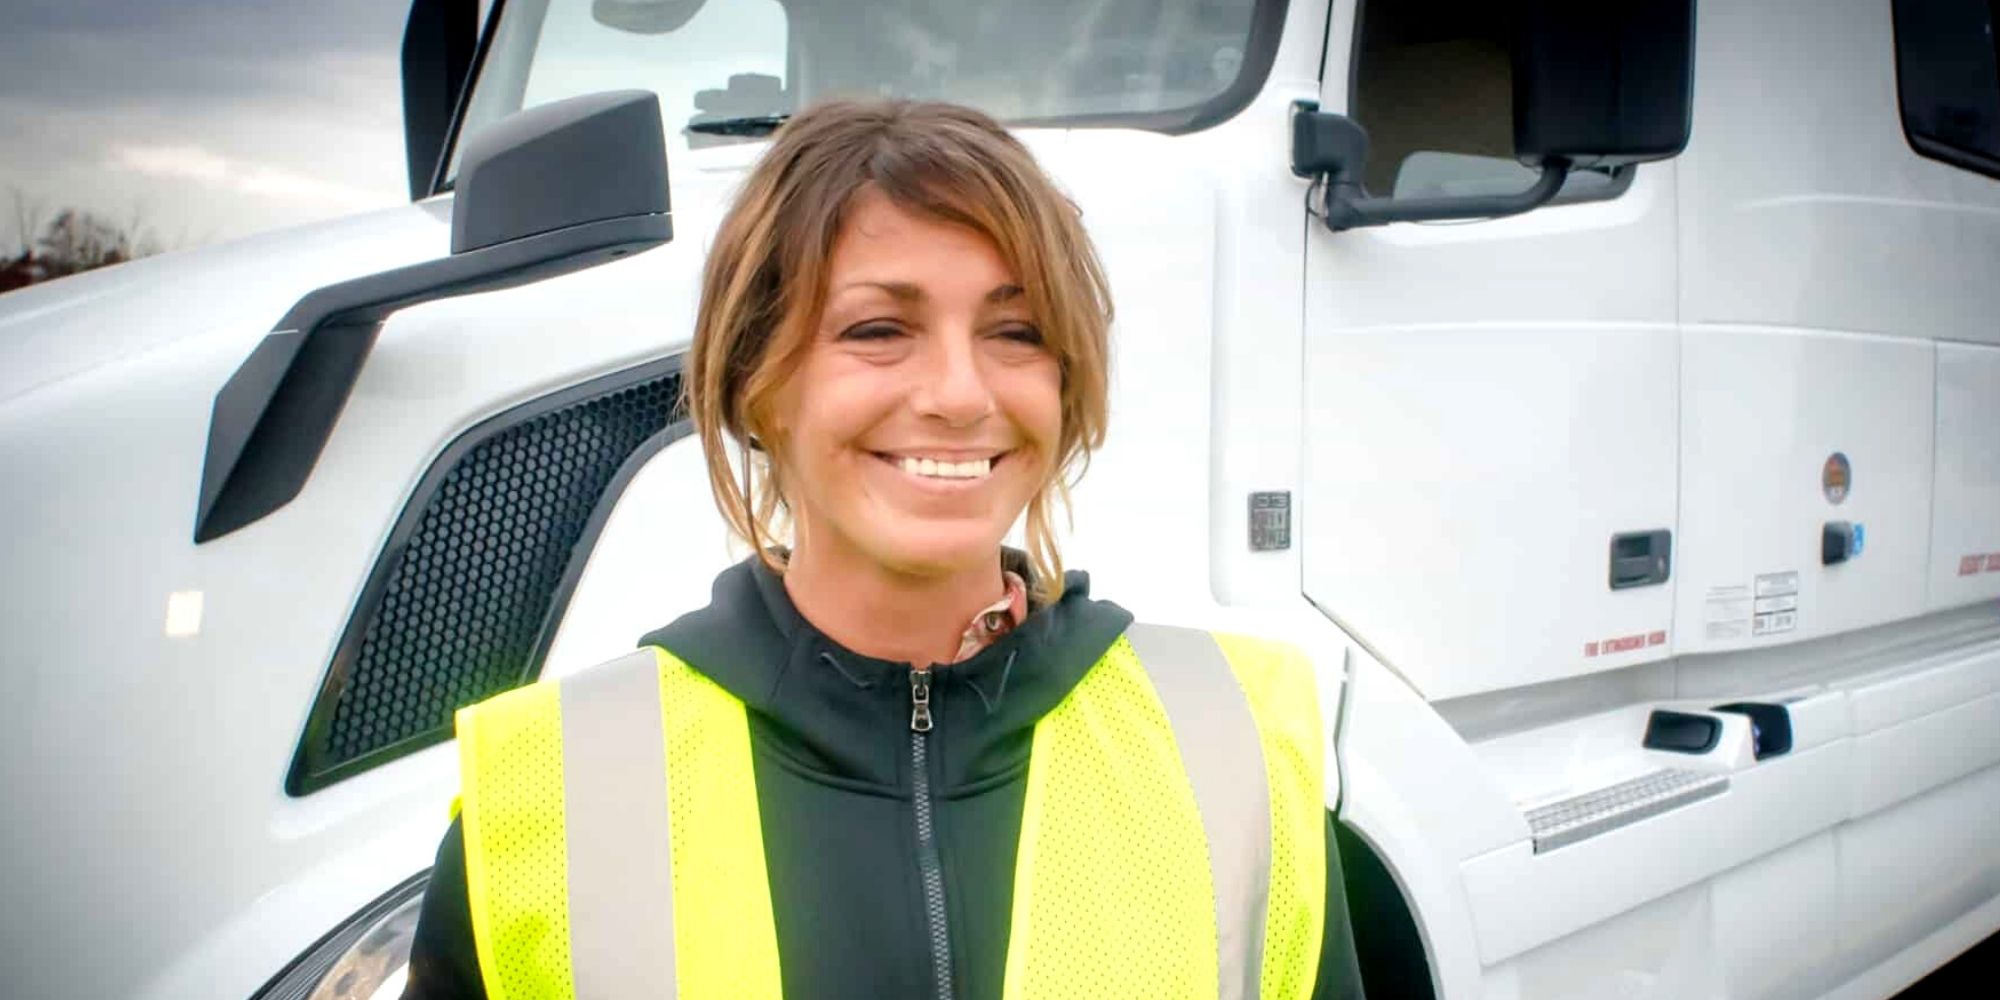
975	469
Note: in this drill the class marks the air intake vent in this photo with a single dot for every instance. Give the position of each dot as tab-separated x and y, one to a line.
465	598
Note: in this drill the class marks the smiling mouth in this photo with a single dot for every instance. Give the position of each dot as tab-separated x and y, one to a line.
944	469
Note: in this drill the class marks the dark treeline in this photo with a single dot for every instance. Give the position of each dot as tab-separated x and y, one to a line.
73	240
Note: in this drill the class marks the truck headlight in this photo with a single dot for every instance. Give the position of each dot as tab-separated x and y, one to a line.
367	957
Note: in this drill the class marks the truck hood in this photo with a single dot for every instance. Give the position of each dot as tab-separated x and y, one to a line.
53	331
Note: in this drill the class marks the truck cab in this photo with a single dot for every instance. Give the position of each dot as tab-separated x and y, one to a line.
1607	399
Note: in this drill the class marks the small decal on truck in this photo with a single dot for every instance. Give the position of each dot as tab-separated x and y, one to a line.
1781	591
1768	606
1624	643
1979	562
1836	477
1726	613
1777	621
1783	602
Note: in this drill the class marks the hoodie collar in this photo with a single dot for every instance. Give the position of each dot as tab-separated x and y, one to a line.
836	714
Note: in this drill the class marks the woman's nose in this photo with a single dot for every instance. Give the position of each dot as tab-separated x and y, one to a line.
954	387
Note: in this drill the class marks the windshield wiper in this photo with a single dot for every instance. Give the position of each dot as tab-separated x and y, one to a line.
745	125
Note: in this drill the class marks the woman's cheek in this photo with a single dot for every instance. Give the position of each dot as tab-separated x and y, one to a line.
1047	407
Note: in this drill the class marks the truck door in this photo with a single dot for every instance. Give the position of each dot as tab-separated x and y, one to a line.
1489	459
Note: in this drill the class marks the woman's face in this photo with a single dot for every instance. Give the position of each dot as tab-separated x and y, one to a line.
926	412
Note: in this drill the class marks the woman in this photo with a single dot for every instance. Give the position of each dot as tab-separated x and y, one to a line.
899	760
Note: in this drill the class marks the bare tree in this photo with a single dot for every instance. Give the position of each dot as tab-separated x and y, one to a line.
79	241
75	240
27	218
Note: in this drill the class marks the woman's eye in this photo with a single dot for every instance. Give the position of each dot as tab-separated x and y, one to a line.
1022	335
871	331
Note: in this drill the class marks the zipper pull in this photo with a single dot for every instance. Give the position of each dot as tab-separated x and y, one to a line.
920	701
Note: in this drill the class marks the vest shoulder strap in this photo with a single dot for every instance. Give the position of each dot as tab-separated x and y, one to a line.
1239	707
1113	890
729	949
581	848
511	813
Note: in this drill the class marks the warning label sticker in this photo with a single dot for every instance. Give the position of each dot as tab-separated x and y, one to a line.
1783	602
1777	621
1777	603
1726	612
1768	605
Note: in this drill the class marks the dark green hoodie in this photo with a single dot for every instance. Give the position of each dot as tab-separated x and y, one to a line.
831	735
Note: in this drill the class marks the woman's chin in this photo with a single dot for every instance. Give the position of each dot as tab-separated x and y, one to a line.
939	553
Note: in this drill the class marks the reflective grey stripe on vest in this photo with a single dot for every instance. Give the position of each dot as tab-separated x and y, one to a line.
1218	741
621	893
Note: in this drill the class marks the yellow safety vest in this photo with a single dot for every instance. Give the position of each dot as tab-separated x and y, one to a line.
1152	861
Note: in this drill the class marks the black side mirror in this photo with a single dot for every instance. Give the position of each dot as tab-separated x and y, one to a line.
1603	84
586	161
438	44
1334	149
555	189
1595	84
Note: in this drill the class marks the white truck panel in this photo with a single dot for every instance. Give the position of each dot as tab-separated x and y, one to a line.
1965	518
1258	337
1452	463
1521	900
1418	796
1802	202
1908	872
1419	336
1763	410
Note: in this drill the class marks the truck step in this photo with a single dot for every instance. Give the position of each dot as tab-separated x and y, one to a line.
1566	821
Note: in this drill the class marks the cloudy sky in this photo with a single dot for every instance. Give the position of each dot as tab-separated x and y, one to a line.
201	119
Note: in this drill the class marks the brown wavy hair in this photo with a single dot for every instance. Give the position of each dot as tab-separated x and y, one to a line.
766	282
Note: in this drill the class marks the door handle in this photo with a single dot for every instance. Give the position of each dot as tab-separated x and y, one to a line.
1641	558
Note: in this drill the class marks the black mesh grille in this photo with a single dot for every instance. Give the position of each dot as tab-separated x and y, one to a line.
465	606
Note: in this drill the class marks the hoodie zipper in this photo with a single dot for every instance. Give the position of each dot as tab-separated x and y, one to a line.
929	868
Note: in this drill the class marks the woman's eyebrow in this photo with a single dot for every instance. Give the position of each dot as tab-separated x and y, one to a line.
901	291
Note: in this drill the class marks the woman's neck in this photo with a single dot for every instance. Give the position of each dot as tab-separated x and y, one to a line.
905	618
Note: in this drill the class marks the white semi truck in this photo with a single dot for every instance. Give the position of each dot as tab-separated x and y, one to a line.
1607	394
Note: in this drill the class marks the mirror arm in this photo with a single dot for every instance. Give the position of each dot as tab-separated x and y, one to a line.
554	189
273	417
1347	208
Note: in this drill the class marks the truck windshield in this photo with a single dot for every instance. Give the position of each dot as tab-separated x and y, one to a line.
732	68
